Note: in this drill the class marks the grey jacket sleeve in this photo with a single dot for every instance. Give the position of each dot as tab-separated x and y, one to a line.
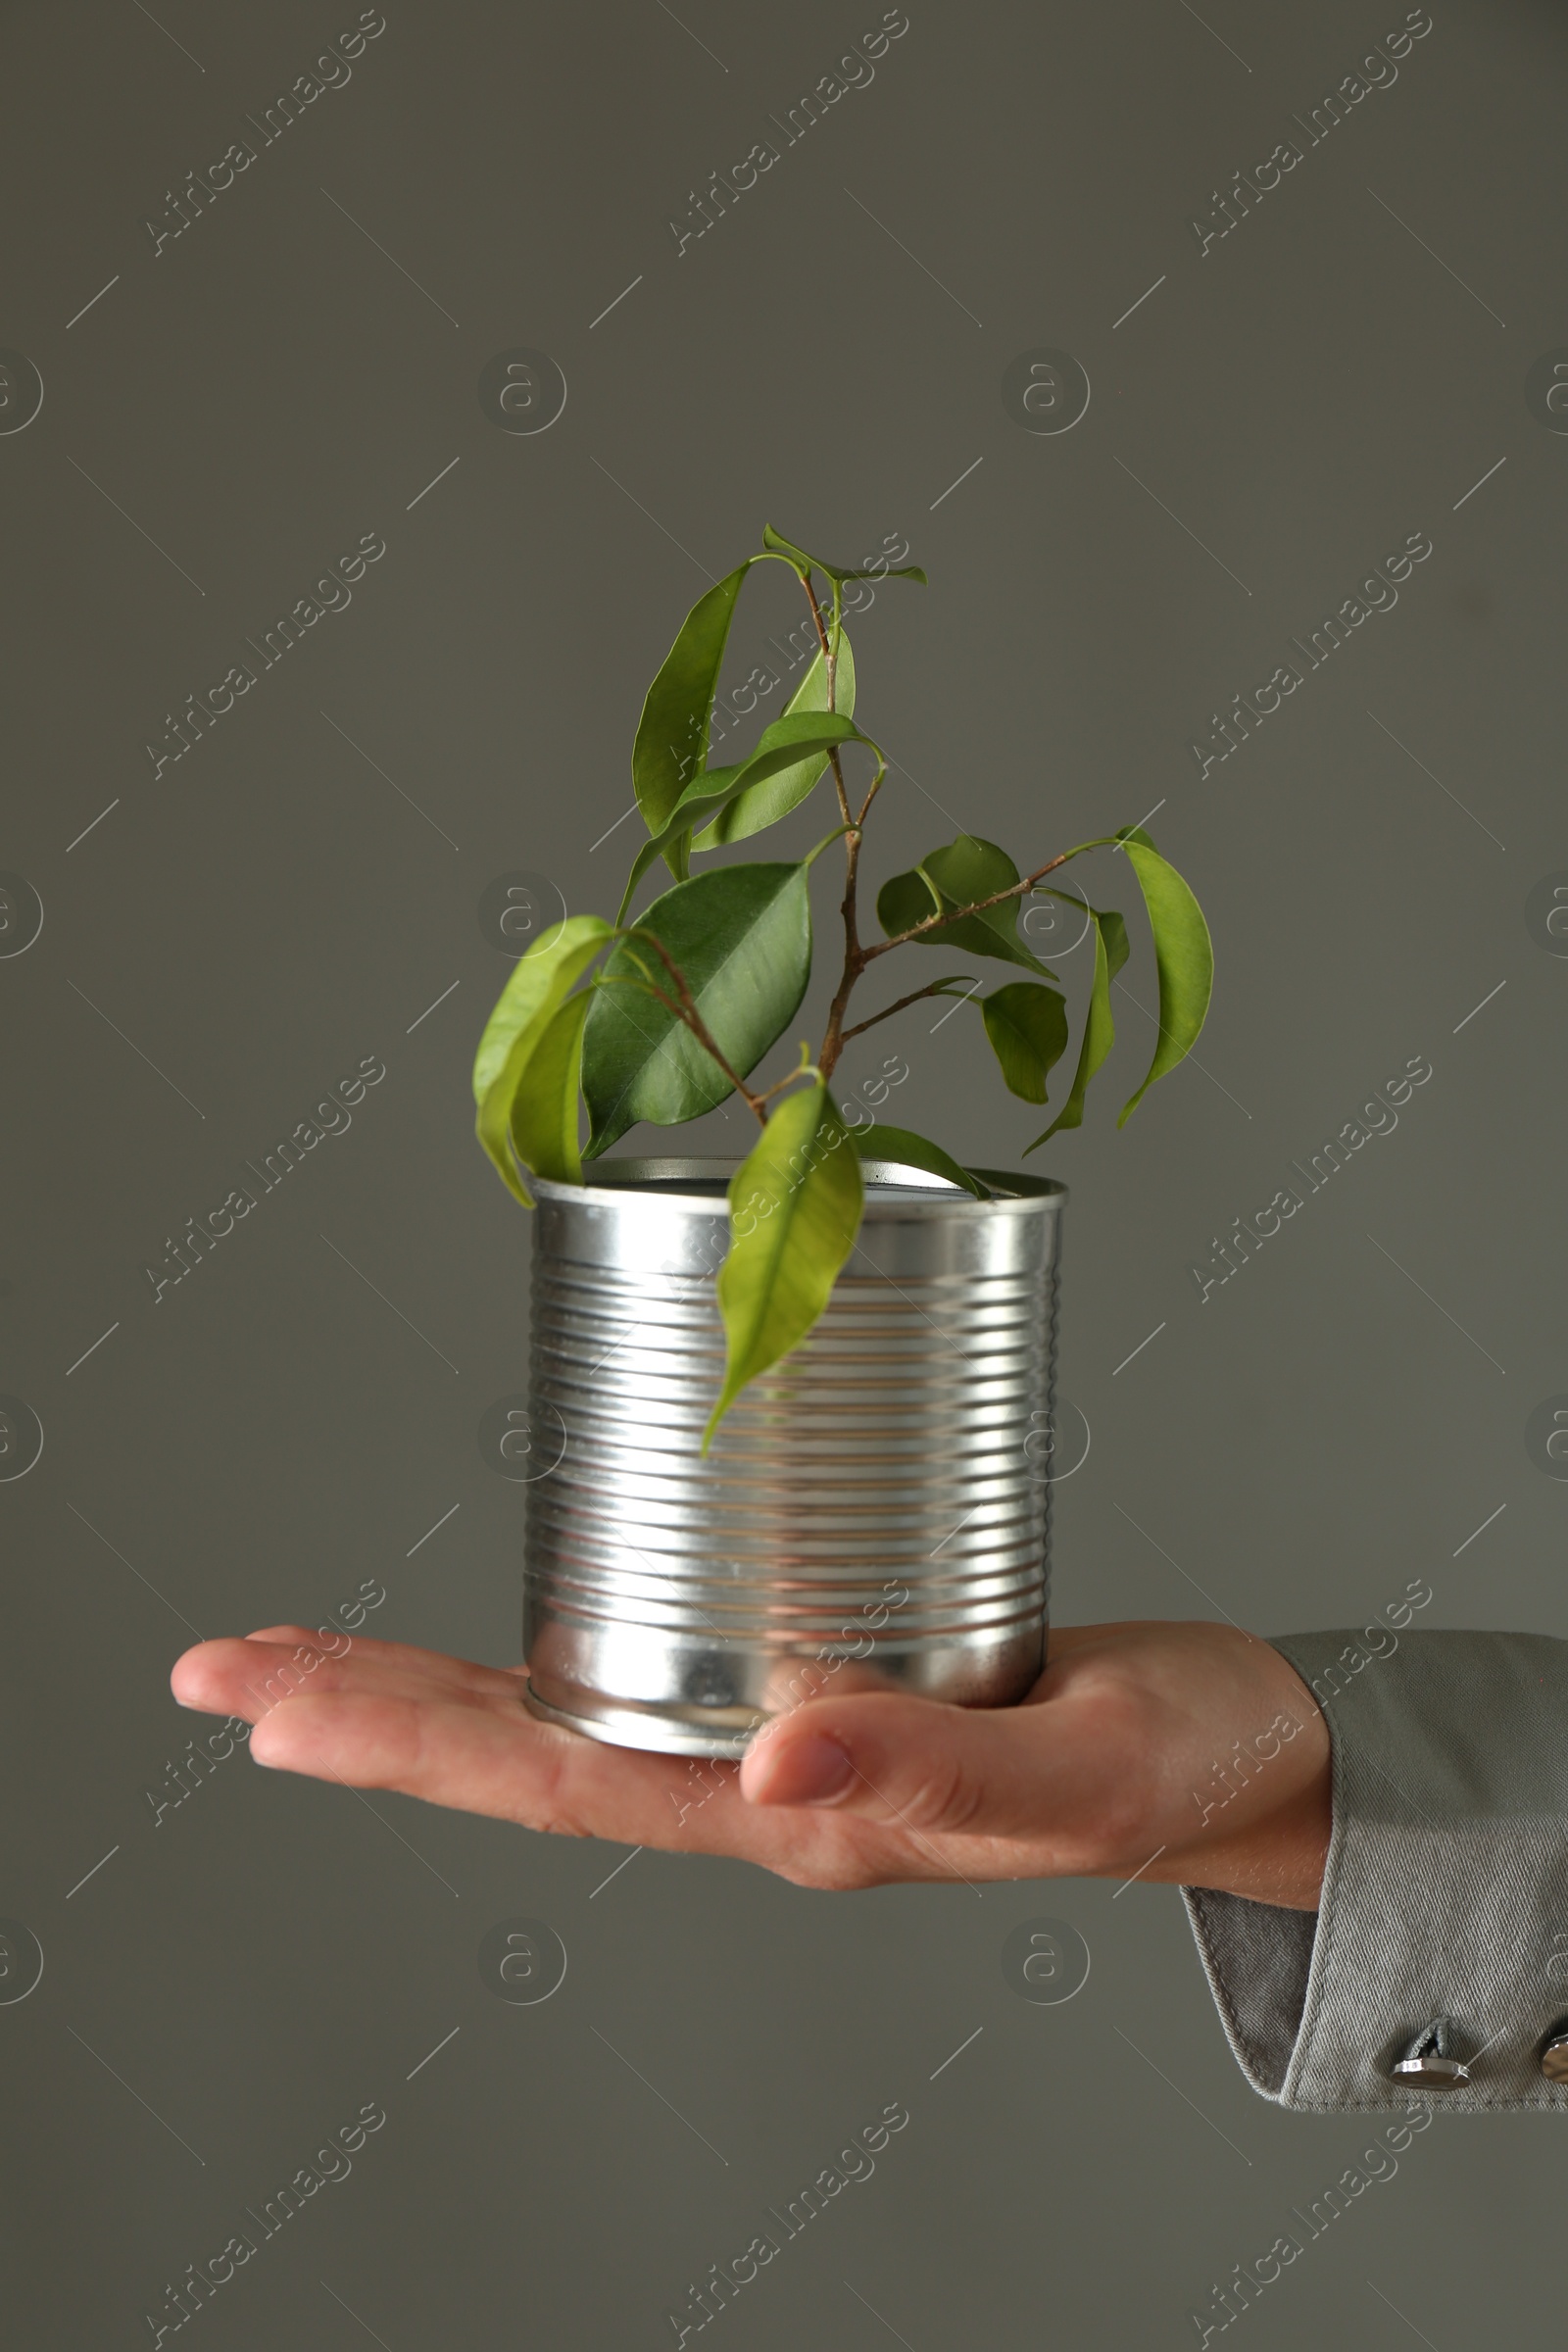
1446	1890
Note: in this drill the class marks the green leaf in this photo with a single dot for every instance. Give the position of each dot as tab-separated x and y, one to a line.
742	935
671	745
538	982
514	1030
906	1149
1027	1027
795	1209
1099	1029
1184	954
764	804
777	546
782	745
906	900
544	1109
967	869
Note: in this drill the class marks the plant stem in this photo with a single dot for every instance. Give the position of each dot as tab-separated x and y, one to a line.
686	1011
830	666
938	922
854	961
779	1084
936	988
856	957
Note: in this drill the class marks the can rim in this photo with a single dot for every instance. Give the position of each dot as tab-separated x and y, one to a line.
1015	1191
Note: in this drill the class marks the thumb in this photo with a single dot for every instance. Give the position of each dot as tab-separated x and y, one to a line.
988	1772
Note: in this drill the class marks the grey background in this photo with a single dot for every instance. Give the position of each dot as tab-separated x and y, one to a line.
275	1952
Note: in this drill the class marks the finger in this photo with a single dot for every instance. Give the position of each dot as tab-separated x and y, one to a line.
1060	1639
937	1770
436	1665
480	1759
250	1679
441	1749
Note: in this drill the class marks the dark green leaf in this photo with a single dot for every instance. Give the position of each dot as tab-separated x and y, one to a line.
1027	1027
795	1209
836	571
742	935
1099	1029
906	900
764	804
1184	954
544	1109
671	745
783	745
905	1148
967	869
513	1034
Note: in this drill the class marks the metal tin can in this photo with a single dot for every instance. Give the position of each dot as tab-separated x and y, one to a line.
872	1514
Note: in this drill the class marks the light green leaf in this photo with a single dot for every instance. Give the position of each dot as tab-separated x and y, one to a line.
764	804
795	1209
777	546
906	1149
967	869
782	745
544	1109
1184	954
671	745
1027	1027
742	935
538	982
513	1034
1099	1029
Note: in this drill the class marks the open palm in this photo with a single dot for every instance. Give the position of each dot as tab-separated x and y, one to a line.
1109	1768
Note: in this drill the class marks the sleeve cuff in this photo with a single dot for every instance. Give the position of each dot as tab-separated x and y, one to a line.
1446	1887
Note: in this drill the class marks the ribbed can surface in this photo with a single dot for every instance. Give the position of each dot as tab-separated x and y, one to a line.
872	1514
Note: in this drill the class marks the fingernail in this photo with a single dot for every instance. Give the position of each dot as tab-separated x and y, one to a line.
812	1770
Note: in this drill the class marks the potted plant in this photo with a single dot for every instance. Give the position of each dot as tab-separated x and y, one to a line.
763	1392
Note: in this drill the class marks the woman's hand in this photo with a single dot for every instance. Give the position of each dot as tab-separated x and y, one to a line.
1178	1752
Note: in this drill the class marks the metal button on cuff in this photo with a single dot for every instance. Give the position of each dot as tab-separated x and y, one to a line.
1429	2063
1554	2054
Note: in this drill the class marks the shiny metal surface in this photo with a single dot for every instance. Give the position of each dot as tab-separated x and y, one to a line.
1554	2057
1431	2061
871	1515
